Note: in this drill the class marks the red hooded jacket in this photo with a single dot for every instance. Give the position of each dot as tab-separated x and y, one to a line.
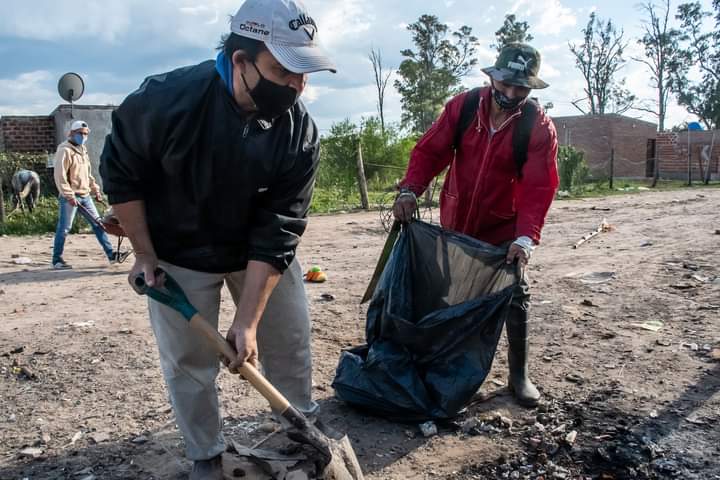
482	195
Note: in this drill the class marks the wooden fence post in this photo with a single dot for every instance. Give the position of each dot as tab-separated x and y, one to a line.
2	204
689	170
362	182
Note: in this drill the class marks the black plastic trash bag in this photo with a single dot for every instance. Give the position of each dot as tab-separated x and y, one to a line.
432	327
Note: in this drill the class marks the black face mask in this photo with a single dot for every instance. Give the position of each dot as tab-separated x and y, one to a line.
504	102
271	99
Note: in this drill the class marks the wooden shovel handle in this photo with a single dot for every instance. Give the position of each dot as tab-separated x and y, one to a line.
277	401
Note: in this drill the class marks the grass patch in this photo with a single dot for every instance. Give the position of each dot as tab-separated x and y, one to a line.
621	187
328	200
43	220
335	200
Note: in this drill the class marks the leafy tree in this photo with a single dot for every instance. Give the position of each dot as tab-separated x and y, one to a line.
431	74
599	58
512	31
661	43
701	51
381	80
338	167
572	169
385	156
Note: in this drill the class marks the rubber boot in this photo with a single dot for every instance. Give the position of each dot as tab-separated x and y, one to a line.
520	385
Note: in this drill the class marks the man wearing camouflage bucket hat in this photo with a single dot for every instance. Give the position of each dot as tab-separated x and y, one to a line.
501	150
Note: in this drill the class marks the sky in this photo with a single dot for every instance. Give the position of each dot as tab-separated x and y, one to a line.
115	45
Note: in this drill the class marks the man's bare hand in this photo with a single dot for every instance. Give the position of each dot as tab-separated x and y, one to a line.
517	252
405	206
146	264
244	340
72	201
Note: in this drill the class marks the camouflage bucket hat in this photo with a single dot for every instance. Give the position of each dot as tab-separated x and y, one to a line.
518	64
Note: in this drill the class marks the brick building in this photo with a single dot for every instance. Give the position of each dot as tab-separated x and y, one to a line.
41	134
27	134
675	150
598	135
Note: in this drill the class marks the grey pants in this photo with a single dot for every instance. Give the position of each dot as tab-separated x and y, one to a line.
190	365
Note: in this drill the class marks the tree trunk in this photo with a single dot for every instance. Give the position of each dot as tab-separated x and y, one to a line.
661	112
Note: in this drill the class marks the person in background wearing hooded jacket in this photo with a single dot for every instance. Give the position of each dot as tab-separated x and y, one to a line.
485	195
75	184
25	189
210	170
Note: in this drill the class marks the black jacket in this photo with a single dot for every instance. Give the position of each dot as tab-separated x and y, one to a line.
219	188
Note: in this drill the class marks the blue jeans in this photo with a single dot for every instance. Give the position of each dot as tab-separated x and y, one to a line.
65	222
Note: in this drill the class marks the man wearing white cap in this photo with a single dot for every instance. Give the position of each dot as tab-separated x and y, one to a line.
75	183
210	170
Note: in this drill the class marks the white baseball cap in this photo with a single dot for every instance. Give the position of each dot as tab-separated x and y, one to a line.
287	30
78	124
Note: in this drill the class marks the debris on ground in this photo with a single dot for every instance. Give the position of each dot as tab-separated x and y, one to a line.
22	260
602	228
562	443
428	429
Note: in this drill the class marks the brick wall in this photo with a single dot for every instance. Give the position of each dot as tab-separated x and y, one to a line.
28	134
672	150
598	135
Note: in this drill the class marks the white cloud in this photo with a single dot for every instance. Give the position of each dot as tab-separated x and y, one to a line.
143	38
211	14
196	10
106	21
27	94
546	17
555	18
548	71
313	92
117	22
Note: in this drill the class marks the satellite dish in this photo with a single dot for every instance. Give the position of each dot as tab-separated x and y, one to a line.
71	87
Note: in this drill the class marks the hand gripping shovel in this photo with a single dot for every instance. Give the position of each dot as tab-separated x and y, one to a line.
338	458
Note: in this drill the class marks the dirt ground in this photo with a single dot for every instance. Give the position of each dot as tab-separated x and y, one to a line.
82	397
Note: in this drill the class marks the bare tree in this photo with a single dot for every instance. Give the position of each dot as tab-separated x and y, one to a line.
661	54
381	80
599	58
700	52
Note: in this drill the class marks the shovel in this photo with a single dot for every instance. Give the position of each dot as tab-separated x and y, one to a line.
338	460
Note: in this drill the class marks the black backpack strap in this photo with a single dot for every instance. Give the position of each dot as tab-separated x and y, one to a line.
521	134
467	114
